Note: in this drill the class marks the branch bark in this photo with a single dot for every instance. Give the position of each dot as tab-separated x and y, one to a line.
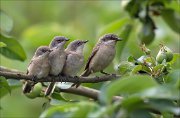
83	91
22	76
87	92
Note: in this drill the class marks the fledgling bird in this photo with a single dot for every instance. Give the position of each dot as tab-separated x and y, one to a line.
38	68
57	59
75	58
102	55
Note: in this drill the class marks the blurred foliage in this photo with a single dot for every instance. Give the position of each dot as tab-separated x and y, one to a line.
150	80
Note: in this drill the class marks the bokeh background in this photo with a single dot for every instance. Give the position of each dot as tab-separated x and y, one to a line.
35	23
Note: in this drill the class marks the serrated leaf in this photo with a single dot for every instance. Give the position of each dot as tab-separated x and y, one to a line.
172	19
13	50
6	22
2	44
126	85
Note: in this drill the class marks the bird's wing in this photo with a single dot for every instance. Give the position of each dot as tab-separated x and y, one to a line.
95	50
28	66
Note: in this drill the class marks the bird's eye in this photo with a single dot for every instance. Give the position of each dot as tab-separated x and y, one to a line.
44	50
78	43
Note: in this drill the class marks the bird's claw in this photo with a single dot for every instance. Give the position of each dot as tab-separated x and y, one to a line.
34	78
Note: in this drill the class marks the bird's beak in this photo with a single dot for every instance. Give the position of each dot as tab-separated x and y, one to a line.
67	39
85	41
119	39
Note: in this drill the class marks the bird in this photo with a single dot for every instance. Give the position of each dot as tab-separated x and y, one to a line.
75	58
38	67
57	59
102	55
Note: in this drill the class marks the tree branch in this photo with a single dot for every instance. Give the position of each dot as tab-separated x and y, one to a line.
21	76
83	91
87	92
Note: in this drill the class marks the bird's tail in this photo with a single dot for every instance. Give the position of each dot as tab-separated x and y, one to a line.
27	87
86	73
50	88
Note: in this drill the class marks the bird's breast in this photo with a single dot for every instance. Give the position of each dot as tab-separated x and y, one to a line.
102	58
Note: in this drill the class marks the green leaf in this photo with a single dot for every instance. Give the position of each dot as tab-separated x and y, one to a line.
160	98
131	59
57	99
64	110
6	22
114	26
104	111
43	33
2	44
161	92
133	7
172	19
147	32
79	110
57	96
84	109
158	67
124	34
4	87
136	69
13	50
176	56
14	83
126	85
174	78
163	105
125	67
140	113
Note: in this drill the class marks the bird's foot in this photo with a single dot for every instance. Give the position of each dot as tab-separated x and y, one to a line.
34	78
60	76
76	85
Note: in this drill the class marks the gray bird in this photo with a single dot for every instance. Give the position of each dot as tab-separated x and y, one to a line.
75	58
102	55
38	68
56	59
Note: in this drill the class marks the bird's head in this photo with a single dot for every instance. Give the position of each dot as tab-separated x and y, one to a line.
42	51
109	38
76	45
58	42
